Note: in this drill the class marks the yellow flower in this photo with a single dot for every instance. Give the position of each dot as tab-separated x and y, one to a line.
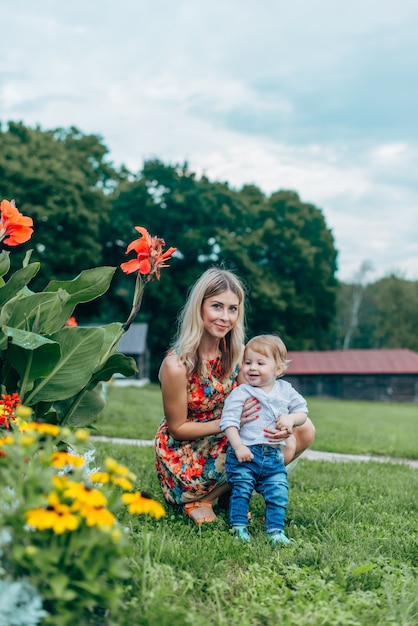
60	459
100	477
27	440
65	521
116	535
84	495
122	482
97	516
137	503
65	433
82	434
40	518
6	440
113	467
43	428
57	517
60	482
24	412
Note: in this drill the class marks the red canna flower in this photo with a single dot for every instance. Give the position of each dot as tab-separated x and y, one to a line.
17	228
150	257
71	322
8	405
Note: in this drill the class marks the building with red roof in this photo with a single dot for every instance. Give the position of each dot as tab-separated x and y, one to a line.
356	374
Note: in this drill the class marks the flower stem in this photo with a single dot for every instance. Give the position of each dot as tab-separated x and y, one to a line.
137	300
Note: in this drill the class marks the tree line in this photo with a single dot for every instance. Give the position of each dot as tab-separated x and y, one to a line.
85	210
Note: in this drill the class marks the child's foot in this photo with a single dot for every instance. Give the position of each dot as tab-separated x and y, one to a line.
278	537
241	533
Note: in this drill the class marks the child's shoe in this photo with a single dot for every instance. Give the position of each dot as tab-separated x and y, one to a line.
241	533
278	537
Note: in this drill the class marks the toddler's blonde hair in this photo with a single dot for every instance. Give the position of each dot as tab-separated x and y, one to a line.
269	345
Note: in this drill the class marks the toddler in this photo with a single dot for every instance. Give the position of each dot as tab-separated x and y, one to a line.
253	463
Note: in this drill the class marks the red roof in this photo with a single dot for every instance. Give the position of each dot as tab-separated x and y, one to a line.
372	361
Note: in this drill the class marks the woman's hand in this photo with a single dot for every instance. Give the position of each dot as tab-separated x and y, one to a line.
249	411
283	430
274	435
285	425
286	422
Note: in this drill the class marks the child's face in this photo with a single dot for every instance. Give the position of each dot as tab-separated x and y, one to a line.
260	370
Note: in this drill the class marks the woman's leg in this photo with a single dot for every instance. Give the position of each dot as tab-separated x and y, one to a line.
303	436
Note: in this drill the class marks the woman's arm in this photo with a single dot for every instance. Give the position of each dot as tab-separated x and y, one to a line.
173	378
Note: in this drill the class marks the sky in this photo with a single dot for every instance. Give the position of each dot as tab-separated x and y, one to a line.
316	96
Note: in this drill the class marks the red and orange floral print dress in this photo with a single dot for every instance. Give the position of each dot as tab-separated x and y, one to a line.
189	470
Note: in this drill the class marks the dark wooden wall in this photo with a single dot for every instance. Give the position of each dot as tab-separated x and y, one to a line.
390	387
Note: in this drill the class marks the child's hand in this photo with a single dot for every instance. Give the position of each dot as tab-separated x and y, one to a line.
285	423
243	454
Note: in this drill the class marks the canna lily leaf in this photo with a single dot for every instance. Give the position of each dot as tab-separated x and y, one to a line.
4	262
32	355
116	364
113	332
82	411
17	281
87	286
80	354
35	312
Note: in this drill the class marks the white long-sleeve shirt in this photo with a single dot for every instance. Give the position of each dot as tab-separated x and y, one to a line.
281	399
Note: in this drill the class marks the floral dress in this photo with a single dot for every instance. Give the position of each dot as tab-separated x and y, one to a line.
189	470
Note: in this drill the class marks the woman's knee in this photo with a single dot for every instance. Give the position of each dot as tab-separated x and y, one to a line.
304	436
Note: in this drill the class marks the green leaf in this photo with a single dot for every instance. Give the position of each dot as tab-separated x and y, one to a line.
113	332
38	309
90	404
87	286
17	281
59	584
362	569
80	354
32	355
4	262
116	364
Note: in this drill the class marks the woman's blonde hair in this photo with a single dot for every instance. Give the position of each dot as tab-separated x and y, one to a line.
190	329
269	345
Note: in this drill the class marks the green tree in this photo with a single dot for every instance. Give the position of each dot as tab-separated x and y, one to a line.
393	319
61	179
286	253
279	246
172	203
386	314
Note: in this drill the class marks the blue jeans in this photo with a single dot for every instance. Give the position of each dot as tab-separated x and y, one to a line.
267	475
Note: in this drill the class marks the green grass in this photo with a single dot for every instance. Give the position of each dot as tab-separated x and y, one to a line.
353	562
131	412
364	427
351	427
354	556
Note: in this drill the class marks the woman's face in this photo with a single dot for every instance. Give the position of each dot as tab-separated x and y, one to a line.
220	313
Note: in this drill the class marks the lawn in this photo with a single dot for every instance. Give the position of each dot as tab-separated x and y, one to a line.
353	560
352	427
354	556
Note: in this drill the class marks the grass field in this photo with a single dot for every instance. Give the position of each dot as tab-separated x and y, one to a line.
351	427
354	556
353	560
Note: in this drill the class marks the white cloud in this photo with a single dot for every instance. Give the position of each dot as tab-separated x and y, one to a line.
318	97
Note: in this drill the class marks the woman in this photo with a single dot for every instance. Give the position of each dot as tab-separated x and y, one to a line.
196	376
